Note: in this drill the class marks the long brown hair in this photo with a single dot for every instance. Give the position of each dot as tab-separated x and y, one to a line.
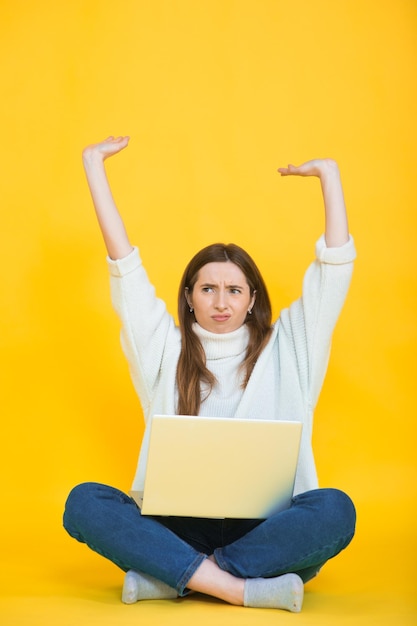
191	368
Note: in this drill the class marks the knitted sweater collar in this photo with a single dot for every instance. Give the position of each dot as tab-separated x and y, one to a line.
223	345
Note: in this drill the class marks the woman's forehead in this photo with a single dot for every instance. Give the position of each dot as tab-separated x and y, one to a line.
221	272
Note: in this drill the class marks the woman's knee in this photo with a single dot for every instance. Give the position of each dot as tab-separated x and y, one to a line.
339	509
334	506
77	506
81	495
341	502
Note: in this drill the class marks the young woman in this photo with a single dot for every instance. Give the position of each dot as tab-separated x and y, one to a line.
225	359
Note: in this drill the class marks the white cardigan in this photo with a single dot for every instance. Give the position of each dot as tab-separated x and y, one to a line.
287	378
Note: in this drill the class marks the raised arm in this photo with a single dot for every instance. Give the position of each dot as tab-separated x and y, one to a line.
327	170
111	224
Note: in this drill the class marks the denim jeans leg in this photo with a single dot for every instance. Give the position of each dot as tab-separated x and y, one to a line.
317	526
111	524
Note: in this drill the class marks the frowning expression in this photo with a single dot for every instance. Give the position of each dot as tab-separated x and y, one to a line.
221	297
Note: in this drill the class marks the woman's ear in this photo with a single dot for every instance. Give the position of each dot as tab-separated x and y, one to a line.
188	298
252	302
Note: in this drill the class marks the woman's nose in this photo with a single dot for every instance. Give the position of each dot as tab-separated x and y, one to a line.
220	303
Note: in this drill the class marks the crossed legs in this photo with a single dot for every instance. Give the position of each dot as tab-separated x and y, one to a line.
251	562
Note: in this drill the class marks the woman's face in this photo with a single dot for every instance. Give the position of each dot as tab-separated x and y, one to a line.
221	297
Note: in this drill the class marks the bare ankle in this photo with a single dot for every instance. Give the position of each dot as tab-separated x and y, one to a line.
210	579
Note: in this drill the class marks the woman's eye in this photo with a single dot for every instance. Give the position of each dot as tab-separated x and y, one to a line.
235	291
207	289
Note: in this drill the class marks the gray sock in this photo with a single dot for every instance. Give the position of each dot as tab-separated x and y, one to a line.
139	586
284	592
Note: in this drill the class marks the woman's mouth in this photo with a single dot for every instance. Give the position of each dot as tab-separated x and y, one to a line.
221	318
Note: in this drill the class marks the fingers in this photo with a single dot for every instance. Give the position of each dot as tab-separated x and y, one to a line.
111	145
288	171
309	168
117	140
105	148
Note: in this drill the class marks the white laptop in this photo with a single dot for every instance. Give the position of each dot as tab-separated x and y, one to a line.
219	467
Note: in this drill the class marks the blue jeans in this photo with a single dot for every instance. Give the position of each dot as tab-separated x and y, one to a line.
317	526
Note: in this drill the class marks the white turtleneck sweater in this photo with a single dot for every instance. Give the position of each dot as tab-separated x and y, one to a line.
287	379
224	354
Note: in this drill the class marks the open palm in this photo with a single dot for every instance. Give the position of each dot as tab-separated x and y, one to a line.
108	147
315	167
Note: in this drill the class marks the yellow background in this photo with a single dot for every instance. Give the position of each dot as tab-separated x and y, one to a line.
215	96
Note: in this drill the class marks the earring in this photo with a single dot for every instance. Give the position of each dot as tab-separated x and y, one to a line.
191	309
250	311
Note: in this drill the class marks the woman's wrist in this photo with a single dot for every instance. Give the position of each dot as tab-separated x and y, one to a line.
328	170
92	158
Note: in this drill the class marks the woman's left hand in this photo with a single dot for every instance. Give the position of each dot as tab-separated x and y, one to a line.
315	167
327	170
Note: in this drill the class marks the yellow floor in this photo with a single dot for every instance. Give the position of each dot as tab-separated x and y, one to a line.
47	578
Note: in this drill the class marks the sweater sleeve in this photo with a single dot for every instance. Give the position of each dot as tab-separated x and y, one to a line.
148	330
309	322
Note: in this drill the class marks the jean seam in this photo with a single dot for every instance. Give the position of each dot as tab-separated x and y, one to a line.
313	558
189	572
219	559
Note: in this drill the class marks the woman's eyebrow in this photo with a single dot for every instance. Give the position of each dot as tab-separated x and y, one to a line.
227	286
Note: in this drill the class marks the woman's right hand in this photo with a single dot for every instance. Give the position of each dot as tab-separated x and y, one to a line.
105	149
110	221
